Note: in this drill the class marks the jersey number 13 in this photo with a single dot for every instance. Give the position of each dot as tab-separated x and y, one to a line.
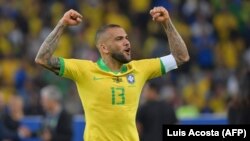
118	95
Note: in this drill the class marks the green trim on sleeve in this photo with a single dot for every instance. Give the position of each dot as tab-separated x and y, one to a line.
62	66
163	70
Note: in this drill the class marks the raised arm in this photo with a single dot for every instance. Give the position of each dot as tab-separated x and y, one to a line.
44	56
177	45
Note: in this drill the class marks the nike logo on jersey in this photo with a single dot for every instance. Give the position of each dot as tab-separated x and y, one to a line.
97	78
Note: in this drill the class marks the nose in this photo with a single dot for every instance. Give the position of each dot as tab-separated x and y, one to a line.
126	42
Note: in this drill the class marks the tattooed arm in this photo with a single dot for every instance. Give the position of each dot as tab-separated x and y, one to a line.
45	54
177	45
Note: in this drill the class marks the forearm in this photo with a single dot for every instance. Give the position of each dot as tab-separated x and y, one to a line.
45	54
177	45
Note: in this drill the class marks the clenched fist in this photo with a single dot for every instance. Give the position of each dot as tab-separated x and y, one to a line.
71	17
159	14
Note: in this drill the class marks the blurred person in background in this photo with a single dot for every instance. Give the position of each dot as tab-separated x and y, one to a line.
110	108
12	128
154	113
57	125
239	105
2	104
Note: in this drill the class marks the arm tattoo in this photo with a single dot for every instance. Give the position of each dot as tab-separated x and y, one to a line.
44	55
177	45
54	62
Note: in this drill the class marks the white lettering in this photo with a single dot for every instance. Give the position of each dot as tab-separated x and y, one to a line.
176	133
203	133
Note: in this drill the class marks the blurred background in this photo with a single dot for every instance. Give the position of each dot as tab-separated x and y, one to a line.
216	34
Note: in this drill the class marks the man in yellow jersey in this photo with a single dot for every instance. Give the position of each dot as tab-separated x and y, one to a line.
110	88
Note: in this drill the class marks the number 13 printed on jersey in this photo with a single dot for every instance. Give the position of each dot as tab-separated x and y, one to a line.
118	96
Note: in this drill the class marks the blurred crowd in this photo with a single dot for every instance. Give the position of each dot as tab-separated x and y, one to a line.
216	34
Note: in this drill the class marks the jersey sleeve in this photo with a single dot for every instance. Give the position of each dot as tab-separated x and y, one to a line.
151	68
70	68
156	67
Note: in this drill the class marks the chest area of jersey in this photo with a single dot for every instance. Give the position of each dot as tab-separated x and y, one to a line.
115	90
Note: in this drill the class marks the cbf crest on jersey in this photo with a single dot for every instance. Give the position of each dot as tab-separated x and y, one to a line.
131	78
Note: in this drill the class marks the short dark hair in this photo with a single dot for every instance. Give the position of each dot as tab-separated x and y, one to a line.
104	28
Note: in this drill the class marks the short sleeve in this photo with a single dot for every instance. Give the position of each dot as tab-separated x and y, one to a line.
151	68
69	68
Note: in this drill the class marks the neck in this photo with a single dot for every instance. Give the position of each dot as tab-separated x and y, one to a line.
113	64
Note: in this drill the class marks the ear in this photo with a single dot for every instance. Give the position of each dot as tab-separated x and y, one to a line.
104	48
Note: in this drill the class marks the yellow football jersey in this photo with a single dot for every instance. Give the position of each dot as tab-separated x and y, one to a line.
110	99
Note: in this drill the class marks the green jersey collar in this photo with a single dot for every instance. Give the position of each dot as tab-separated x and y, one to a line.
104	67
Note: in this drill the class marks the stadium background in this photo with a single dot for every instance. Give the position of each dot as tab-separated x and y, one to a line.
216	34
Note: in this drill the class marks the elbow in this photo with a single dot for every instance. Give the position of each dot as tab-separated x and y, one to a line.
39	61
185	59
182	59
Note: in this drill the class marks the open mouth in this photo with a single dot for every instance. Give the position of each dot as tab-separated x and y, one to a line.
127	51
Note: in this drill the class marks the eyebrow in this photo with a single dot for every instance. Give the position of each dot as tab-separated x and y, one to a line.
126	36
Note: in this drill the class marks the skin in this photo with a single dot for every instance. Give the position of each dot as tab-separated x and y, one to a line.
45	54
177	45
49	105
114	45
115	48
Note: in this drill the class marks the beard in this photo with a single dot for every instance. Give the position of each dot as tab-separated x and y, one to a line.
120	57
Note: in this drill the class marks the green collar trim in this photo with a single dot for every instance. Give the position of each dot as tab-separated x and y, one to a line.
104	67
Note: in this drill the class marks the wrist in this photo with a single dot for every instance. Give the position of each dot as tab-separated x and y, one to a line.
166	22
62	23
